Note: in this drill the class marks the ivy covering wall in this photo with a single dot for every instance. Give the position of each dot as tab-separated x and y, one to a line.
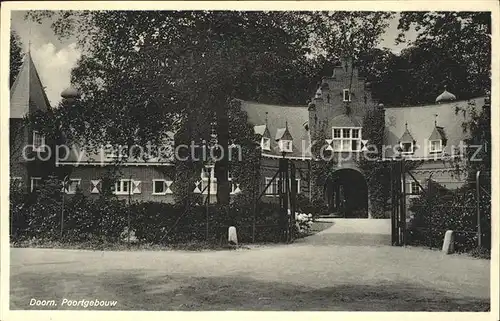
377	173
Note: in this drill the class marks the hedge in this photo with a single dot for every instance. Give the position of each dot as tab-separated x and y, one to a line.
38	216
443	210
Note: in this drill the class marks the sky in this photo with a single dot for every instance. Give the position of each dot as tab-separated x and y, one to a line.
54	58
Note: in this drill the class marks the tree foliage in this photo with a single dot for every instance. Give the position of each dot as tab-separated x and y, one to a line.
16	56
452	50
212	57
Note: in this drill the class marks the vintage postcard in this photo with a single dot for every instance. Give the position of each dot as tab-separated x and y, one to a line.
328	158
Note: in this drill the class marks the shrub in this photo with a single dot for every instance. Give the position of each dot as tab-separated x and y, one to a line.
43	211
445	210
316	206
105	220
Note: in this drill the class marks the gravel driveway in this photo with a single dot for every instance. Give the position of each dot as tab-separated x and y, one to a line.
327	271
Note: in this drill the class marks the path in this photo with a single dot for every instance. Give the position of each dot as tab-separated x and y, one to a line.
353	232
318	273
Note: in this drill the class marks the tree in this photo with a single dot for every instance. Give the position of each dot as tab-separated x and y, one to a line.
461	42
16	56
211	58
452	48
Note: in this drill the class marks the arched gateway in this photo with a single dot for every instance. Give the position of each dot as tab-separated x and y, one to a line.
346	193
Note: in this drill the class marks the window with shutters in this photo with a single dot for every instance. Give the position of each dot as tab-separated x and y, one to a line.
161	187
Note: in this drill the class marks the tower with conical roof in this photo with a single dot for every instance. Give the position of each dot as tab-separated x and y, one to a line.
27	93
28	147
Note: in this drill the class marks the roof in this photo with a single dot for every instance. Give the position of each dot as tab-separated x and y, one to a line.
437	134
344	120
27	93
99	156
422	121
407	137
259	129
89	155
278	117
445	96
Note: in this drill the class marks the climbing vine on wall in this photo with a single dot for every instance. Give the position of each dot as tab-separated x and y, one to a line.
245	156
376	172
321	166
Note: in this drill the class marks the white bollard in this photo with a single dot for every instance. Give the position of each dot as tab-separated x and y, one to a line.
448	244
232	237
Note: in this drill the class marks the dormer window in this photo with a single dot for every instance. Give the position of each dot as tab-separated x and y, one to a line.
436	146
437	139
407	142
285	145
346	95
406	148
265	143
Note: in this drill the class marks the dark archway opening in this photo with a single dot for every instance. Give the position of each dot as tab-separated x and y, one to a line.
347	194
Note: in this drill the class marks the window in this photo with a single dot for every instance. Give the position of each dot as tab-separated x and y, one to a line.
35	183
406	148
337	133
72	185
346	139
274	188
436	146
347	95
123	187
355	133
205	173
286	145
414	189
298	185
265	143
16	182
161	187
38	141
202	184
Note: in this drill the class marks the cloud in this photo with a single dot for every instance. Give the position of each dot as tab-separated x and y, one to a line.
54	67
